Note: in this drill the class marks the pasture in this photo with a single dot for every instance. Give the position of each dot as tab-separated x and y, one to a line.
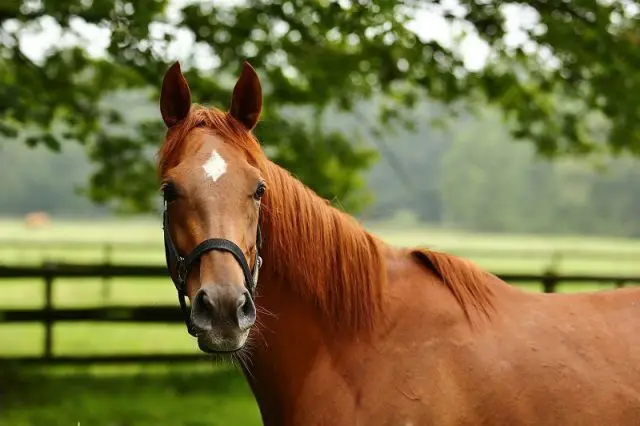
194	394
140	242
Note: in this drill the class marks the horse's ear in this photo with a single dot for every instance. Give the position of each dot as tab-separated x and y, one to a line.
246	103
175	98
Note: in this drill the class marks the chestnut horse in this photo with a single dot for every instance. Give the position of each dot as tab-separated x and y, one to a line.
339	328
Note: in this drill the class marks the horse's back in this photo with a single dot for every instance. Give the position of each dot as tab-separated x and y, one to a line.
554	360
538	360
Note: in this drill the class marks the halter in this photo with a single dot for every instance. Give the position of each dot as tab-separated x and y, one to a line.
183	264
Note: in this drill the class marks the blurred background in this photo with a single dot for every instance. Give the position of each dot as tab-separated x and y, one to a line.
504	132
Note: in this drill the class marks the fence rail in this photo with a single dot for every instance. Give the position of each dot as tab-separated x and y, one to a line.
107	248
48	315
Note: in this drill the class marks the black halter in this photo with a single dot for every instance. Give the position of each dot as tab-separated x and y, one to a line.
182	265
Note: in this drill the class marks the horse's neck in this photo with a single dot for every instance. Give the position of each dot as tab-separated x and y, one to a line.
297	357
321	254
285	348
293	344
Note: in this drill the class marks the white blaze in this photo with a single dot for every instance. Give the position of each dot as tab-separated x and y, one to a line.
215	166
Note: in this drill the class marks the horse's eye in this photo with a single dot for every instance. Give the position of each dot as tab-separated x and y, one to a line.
169	192
259	191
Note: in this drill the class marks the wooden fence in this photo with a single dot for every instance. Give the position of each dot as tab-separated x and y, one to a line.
48	315
105	251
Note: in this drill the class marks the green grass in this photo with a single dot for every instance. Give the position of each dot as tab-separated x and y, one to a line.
126	396
200	394
113	230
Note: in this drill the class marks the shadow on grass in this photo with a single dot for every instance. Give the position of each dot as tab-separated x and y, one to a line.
143	395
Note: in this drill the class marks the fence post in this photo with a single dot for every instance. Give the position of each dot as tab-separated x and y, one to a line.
549	282
48	311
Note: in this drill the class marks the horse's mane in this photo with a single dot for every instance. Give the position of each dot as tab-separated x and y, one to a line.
332	260
323	253
466	281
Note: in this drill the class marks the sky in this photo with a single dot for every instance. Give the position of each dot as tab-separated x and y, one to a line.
428	24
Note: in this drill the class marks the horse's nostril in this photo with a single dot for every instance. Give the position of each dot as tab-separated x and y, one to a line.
246	305
246	312
206	301
242	301
222	306
202	310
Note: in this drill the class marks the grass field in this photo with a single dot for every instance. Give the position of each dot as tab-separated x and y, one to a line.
201	394
149	395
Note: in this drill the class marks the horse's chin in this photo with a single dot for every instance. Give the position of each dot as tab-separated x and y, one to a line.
211	343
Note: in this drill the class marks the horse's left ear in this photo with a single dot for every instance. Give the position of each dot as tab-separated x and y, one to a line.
175	96
246	103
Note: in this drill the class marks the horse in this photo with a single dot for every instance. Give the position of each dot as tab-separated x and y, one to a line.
336	327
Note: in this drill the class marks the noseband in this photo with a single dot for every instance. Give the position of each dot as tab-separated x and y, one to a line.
182	265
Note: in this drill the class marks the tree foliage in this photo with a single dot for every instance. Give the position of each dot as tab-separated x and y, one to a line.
474	178
318	54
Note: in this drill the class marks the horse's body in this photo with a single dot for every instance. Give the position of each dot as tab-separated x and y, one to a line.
352	331
534	359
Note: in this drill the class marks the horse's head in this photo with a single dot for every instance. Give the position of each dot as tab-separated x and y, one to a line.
212	185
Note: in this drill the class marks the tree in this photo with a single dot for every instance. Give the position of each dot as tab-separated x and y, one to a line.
489	183
319	54
37	179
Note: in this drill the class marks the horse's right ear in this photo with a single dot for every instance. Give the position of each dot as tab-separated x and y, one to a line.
175	98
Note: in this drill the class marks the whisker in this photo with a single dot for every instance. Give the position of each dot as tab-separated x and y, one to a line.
259	332
245	358
265	311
